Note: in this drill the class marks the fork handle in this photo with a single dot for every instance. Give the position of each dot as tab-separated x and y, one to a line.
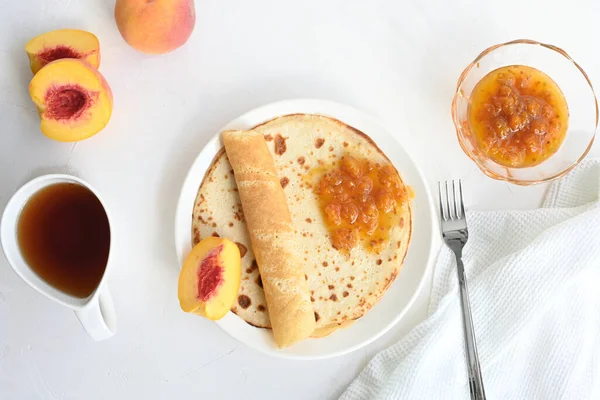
474	370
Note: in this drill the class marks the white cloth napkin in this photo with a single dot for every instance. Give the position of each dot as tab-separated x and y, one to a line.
534	283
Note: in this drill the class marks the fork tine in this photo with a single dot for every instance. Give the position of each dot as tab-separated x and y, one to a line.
462	203
442	216
450	216
455	199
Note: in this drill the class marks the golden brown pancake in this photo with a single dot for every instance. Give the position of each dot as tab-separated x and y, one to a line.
272	235
343	287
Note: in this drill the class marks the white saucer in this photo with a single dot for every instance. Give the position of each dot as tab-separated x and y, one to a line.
399	297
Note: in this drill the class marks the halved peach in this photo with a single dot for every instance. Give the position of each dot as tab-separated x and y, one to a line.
210	278
73	99
63	43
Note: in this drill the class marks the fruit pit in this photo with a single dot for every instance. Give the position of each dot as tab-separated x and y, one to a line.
66	102
56	53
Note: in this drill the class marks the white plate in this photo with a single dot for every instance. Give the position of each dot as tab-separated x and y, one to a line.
399	297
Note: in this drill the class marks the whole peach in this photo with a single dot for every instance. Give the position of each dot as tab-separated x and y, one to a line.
155	26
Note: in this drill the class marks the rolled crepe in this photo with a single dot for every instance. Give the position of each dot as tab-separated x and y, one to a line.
272	235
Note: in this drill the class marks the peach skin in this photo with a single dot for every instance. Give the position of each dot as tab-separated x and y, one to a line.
155	27
73	100
63	43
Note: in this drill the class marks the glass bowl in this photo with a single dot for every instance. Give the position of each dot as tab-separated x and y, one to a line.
575	85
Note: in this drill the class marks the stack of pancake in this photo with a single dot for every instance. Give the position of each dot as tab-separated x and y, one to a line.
260	194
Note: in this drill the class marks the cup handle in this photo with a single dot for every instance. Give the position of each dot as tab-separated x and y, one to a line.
98	318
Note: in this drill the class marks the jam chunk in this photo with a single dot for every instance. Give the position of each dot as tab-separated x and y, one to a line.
518	116
359	201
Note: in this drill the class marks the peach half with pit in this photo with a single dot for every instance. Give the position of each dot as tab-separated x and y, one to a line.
210	278
73	100
63	43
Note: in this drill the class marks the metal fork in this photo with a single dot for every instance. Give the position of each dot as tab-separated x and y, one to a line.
455	233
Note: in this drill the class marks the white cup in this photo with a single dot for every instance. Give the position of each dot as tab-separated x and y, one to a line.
95	312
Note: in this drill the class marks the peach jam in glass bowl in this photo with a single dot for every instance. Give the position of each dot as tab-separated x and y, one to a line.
525	112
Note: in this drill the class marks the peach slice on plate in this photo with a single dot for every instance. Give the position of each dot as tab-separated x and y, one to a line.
210	278
63	43
73	100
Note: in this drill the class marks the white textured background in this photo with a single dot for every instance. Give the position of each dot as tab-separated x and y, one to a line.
397	60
